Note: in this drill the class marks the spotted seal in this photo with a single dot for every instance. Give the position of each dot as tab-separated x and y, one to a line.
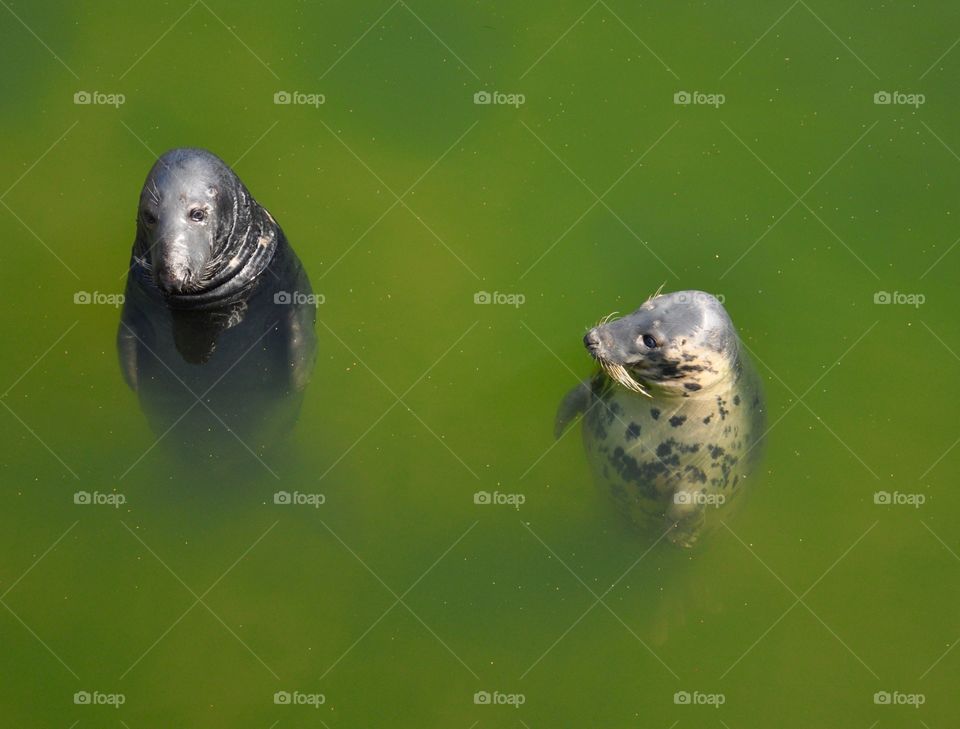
217	328
673	420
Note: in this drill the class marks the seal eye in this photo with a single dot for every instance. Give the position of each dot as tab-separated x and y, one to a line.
148	217
649	341
197	215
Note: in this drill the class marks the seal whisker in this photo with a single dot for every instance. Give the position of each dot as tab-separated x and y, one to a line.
619	374
657	292
608	317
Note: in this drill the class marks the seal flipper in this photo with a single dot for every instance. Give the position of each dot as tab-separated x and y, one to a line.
127	351
298	332
302	345
573	404
686	514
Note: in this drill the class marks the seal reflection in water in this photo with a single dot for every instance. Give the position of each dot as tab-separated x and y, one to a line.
217	307
673	420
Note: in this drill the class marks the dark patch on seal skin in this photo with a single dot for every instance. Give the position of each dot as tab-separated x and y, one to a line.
667	447
706	420
727	464
655	413
633	432
715	451
695	475
666	369
643	474
720	407
756	402
605	415
666	455
692	386
736	399
677	420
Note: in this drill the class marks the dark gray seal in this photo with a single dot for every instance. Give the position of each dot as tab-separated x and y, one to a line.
218	307
673	420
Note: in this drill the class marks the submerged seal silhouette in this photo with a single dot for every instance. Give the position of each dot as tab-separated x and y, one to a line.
673	420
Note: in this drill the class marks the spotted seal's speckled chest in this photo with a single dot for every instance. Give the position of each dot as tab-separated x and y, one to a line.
671	426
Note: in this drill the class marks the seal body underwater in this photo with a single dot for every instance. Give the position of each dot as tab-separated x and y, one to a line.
217	330
673	421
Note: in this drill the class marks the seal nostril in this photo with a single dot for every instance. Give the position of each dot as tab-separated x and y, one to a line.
591	339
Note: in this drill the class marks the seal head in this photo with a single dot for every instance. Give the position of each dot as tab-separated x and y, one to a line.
680	343
200	234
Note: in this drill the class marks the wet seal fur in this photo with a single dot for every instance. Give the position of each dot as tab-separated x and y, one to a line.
217	306
672	422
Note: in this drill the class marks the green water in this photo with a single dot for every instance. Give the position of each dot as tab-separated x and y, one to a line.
199	598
